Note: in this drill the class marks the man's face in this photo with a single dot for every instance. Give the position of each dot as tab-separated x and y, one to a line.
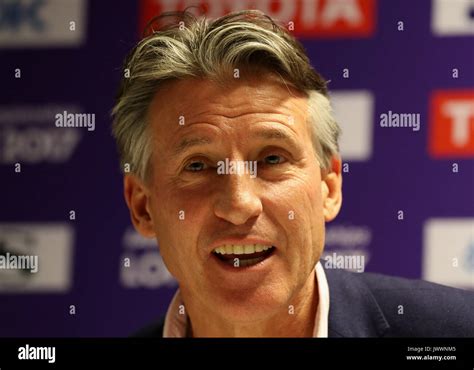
192	209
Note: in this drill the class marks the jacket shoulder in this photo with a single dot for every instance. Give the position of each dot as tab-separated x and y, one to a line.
420	308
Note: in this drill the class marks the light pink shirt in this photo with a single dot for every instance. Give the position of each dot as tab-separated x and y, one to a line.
176	323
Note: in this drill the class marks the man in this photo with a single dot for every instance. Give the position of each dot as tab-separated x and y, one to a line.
230	152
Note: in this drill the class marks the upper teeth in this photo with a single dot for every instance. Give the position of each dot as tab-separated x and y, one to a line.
241	249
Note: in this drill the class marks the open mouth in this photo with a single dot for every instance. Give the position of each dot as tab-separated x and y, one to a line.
243	255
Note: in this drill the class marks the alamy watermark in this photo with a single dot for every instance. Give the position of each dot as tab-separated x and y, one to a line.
229	167
28	352
391	119
346	262
18	262
67	119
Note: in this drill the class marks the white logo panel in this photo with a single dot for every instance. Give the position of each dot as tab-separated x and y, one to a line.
448	253
36	257
354	114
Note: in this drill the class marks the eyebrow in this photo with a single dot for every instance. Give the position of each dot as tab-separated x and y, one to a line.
187	143
269	134
273	133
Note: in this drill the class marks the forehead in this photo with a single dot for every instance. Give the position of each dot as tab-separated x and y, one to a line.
180	104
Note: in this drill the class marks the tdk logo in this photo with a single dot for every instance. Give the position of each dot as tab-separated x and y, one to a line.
13	14
37	23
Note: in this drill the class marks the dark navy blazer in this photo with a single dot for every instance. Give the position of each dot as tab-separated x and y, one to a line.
374	305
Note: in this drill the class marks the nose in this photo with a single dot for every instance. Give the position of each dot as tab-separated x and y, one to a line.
237	200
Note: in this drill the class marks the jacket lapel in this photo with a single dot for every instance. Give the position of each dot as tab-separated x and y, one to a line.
353	310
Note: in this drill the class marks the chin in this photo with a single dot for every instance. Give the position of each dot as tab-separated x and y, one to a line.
249	306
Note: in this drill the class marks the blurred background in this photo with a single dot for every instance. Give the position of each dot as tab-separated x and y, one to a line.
408	206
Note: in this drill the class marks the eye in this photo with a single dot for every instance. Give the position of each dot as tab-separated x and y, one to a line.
195	166
274	159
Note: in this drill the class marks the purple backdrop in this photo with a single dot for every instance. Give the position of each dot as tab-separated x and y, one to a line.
86	290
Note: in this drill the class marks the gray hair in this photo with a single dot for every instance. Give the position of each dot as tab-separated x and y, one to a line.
191	47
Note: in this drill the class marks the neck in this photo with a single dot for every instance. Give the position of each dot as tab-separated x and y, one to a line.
295	320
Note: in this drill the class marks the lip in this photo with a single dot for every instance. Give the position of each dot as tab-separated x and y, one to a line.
240	241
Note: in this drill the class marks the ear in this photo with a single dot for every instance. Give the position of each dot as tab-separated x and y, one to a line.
138	199
331	188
